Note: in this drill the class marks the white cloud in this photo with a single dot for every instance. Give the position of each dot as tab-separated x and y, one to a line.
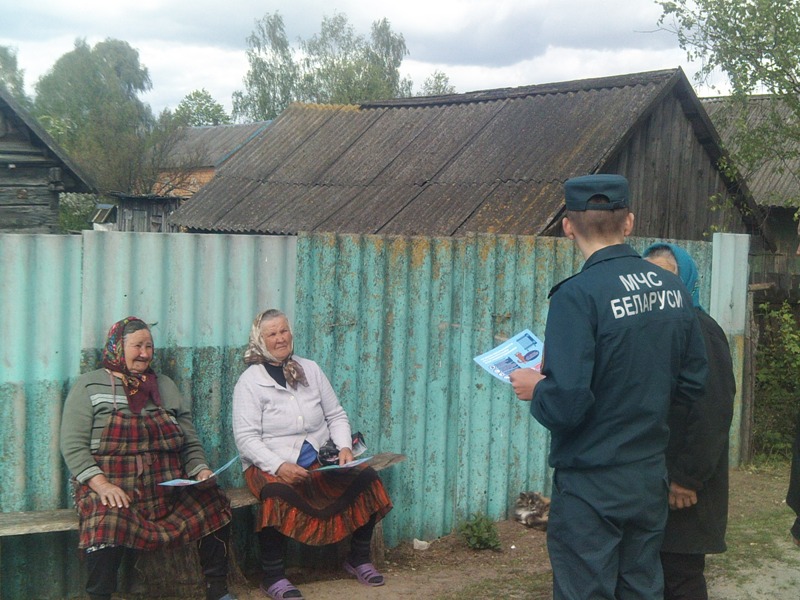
479	44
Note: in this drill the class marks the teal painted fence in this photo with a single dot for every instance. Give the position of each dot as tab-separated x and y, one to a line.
394	322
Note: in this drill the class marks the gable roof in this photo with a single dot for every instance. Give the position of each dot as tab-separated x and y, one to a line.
491	161
774	182
212	145
47	149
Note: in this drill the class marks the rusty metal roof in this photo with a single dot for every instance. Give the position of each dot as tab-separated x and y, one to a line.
488	161
774	182
212	145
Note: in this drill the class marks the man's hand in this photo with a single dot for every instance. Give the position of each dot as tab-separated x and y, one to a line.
681	497
291	473
524	381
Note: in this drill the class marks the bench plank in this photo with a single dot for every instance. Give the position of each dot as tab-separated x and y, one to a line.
66	519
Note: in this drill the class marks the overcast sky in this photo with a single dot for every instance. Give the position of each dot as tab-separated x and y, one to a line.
480	44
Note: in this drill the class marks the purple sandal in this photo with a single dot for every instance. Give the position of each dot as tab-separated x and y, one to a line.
279	589
366	574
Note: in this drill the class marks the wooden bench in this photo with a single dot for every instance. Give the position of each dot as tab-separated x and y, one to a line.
66	519
178	566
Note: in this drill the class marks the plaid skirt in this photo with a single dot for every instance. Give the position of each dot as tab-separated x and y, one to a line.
136	453
325	509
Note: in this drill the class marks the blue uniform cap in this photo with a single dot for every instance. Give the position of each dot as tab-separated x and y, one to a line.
578	190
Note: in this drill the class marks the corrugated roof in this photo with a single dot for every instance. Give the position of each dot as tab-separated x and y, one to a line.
483	161
212	145
774	182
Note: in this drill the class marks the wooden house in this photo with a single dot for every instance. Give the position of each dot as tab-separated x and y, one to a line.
197	154
487	161
774	184
34	170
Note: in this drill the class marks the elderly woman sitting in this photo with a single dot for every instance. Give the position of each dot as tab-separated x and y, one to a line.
125	430
284	412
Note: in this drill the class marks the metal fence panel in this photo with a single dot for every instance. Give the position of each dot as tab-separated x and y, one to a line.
394	321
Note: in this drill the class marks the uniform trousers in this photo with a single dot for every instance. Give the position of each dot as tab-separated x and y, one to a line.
605	531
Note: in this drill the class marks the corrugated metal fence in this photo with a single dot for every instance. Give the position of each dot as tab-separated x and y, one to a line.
394	322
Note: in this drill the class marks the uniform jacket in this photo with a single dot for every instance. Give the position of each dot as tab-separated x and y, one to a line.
697	454
621	339
271	422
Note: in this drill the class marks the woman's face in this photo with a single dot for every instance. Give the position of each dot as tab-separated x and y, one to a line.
277	337
138	348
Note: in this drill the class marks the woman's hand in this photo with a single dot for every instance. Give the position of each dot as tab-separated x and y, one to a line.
206	477
110	494
345	456
204	474
681	497
291	473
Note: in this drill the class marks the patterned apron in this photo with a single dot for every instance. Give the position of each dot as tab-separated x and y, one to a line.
136	453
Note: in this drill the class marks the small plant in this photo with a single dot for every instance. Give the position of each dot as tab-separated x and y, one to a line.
480	532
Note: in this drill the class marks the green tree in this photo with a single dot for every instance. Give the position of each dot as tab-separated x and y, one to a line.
13	77
89	103
437	84
756	44
75	211
334	66
199	108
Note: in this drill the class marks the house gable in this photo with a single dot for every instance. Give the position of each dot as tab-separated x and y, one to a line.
33	171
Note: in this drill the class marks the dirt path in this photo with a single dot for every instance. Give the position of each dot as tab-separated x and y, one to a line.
761	562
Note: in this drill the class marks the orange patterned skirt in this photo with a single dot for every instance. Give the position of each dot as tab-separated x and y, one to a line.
325	509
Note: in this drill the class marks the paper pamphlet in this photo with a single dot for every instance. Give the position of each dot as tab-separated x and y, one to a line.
352	463
184	482
523	351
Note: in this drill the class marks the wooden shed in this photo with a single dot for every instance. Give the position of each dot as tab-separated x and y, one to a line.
487	161
34	170
775	187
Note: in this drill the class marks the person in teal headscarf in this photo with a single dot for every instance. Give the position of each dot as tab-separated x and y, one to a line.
697	454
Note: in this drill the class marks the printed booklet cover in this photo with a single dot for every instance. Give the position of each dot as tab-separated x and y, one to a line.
523	351
185	482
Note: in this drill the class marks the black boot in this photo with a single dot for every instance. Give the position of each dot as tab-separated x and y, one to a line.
102	566
213	552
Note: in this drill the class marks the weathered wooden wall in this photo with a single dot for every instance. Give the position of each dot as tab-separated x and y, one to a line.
673	179
27	204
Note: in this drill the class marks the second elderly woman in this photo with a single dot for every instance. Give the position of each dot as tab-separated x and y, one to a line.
284	412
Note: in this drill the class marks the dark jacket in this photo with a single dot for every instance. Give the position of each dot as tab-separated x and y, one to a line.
697	455
621	340
793	495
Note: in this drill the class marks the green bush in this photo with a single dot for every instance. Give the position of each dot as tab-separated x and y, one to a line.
480	533
75	211
777	385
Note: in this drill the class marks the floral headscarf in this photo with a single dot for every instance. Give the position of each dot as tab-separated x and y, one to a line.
139	387
257	353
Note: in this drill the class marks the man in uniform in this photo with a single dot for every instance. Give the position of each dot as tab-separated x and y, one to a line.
621	340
